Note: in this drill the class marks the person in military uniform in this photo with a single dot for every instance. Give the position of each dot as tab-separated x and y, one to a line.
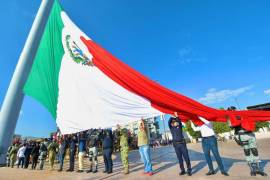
42	154
8	156
92	146
72	140
13	154
116	142
52	148
247	140
124	148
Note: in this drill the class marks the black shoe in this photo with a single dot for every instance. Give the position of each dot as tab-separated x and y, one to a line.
225	173
182	173
253	168
189	173
262	173
210	173
68	170
109	172
89	171
95	171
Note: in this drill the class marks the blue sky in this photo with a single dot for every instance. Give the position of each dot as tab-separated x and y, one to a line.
216	52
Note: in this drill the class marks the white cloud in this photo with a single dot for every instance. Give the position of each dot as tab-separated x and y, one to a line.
214	96
267	92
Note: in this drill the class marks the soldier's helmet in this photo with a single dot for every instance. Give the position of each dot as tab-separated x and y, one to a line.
124	131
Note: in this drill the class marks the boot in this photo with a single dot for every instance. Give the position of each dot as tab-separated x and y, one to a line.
95	171
259	169
252	167
90	170
126	171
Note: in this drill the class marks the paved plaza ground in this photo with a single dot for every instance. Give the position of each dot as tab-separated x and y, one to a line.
164	163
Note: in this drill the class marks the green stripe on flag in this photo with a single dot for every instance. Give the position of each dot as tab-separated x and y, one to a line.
42	83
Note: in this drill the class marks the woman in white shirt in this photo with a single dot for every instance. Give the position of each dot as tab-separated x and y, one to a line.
21	156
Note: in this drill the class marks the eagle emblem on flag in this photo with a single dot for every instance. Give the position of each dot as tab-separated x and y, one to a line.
76	53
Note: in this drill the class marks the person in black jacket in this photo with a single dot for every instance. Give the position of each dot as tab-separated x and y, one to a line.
107	146
34	155
27	153
72	140
179	144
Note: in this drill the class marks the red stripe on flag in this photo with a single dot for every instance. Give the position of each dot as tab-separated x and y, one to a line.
164	99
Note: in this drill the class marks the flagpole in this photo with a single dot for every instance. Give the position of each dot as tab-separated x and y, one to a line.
14	97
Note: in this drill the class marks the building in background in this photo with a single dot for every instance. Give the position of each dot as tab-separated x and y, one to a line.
265	107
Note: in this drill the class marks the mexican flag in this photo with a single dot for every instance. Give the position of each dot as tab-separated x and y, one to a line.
83	86
75	91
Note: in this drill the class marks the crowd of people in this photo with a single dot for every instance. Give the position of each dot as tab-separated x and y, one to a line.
93	142
90	143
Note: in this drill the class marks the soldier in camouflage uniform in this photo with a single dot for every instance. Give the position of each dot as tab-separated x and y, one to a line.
13	154
8	156
52	148
124	148
92	147
247	140
42	154
116	143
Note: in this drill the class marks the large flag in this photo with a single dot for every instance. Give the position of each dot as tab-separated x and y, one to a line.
84	86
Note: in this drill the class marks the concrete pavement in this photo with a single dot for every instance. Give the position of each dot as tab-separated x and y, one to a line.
164	164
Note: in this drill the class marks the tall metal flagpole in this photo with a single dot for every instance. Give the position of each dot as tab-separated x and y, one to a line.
13	100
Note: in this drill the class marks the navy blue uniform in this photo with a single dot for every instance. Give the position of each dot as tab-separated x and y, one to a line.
107	146
179	144
72	152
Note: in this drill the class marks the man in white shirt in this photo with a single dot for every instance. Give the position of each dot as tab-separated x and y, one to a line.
209	143
21	156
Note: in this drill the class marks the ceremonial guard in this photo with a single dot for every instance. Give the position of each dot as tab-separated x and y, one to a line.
124	148
116	140
42	154
52	148
13	154
247	140
8	156
92	146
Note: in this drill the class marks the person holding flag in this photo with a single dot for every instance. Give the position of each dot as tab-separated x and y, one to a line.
209	143
247	140
144	148
179	144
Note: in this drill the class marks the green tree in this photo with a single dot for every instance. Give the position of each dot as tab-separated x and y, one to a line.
192	133
221	127
261	125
